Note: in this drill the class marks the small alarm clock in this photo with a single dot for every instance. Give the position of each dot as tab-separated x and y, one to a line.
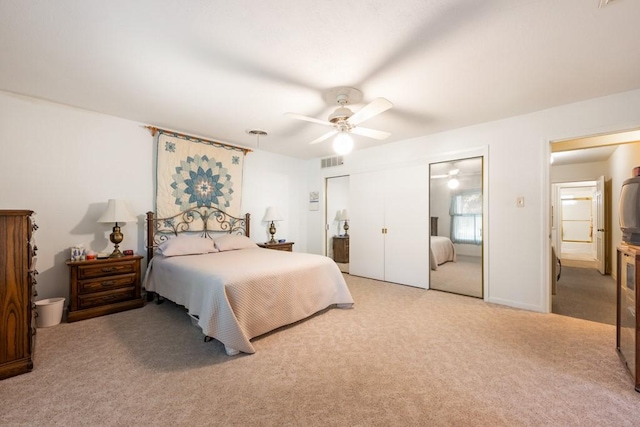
128	252
282	240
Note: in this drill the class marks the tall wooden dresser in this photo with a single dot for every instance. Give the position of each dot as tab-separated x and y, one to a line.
17	292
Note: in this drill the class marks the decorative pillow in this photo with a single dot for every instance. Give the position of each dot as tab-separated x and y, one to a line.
230	242
187	245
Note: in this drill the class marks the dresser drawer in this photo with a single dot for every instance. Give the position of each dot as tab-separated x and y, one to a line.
106	284
97	270
283	248
105	298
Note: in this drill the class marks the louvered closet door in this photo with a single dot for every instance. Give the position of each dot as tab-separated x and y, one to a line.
366	241
407	226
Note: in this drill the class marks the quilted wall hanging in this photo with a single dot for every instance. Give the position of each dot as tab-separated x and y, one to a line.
192	172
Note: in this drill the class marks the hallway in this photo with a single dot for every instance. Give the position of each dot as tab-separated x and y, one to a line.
585	294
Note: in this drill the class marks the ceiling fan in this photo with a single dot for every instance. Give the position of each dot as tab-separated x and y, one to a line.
345	121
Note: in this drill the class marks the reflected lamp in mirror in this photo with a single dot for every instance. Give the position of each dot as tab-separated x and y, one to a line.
116	212
271	216
344	216
453	182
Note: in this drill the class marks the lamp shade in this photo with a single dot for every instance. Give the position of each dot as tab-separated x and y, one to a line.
272	214
344	215
117	211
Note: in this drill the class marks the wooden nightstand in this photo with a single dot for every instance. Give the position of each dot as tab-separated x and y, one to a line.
104	286
286	246
341	249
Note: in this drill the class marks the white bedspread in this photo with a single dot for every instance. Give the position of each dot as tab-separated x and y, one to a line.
238	295
442	250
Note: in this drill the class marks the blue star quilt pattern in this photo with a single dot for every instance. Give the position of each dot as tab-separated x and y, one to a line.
193	173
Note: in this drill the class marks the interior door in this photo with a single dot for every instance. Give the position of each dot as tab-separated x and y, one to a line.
600	225
366	241
388	230
407	227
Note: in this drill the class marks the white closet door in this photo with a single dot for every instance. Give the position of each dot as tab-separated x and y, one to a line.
407	224
366	241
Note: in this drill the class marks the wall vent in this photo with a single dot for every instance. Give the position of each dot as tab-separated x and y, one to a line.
330	162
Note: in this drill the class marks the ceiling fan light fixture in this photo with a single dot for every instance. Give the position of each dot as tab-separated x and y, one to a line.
453	183
341	114
343	144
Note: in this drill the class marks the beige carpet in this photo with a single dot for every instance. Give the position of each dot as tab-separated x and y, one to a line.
461	277
579	263
402	356
586	294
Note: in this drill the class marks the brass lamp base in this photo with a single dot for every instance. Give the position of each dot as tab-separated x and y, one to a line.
116	238
272	231
346	228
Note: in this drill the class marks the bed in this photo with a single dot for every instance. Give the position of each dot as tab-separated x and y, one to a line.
233	289
441	251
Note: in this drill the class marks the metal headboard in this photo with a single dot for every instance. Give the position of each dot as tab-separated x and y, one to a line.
162	229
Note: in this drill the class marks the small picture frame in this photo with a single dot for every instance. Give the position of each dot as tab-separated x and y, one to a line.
314	200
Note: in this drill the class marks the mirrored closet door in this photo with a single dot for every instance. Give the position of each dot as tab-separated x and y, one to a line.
456	236
337	221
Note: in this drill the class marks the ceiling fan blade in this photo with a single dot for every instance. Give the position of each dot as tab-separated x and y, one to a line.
323	137
308	119
373	108
370	133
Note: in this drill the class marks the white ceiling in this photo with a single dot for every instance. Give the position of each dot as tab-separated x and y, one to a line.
218	68
586	155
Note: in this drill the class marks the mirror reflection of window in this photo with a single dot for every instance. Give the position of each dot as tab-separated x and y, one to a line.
466	217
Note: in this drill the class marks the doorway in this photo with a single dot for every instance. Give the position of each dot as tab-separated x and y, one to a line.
337	221
576	223
585	289
456	209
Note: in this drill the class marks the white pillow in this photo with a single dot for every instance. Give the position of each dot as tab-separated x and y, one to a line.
187	245
230	242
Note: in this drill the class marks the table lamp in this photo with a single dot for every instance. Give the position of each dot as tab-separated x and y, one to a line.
116	212
272	215
344	216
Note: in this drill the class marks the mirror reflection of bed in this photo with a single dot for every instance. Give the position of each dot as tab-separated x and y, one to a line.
456	227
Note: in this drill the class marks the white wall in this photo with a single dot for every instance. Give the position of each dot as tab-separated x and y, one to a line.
65	163
440	204
579	172
623	160
517	165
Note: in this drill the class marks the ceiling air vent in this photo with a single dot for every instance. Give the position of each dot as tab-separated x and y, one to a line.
330	162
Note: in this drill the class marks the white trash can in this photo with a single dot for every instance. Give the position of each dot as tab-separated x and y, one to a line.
49	312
